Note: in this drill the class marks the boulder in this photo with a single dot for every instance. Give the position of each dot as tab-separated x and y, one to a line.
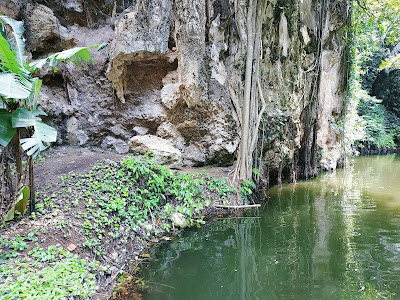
43	28
164	152
10	8
179	220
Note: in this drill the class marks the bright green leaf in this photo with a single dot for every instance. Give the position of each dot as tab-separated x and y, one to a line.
8	57
37	84
76	55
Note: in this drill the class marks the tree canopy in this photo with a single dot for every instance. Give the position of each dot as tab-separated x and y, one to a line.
374	78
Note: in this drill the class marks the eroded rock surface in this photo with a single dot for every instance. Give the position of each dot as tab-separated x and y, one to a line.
175	69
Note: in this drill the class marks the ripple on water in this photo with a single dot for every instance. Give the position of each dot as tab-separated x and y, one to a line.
333	237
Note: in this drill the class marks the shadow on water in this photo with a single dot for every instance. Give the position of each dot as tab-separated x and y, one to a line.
333	237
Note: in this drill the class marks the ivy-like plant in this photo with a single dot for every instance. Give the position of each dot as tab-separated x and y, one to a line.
21	124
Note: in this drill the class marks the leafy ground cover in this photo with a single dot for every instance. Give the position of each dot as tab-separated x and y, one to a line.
91	227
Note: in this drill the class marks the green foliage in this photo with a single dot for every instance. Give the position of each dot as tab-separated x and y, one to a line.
17	85
22	200
77	55
380	133
136	195
19	93
43	134
10	247
20	204
51	273
7	131
374	31
387	88
221	187
247	188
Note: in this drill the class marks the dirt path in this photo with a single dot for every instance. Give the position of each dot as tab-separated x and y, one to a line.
64	160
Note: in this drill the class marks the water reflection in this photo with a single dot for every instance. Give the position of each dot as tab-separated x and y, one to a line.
334	237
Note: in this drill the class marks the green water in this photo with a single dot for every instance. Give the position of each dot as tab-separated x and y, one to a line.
333	237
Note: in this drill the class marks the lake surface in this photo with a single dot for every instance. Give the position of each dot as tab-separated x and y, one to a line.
333	237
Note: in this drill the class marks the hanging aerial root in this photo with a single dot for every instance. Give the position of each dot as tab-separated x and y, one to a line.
259	118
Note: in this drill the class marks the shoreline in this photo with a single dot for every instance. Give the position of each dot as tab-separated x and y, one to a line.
70	206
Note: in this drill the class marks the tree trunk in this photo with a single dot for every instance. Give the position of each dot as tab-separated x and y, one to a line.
244	142
18	160
32	202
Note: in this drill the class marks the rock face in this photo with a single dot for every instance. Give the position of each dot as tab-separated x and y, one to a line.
175	69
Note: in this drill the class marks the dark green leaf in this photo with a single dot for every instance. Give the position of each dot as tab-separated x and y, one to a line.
6	129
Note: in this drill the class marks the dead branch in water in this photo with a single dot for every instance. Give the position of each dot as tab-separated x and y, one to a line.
238	206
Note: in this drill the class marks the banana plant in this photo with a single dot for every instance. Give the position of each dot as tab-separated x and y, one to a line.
19	95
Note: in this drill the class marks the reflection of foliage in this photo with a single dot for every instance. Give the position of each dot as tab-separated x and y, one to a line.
367	291
208	256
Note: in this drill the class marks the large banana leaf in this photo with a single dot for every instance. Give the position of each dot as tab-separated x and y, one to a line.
18	30
76	55
13	74
13	86
43	134
8	58
6	129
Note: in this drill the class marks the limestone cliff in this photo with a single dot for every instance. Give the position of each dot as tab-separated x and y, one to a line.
175	69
